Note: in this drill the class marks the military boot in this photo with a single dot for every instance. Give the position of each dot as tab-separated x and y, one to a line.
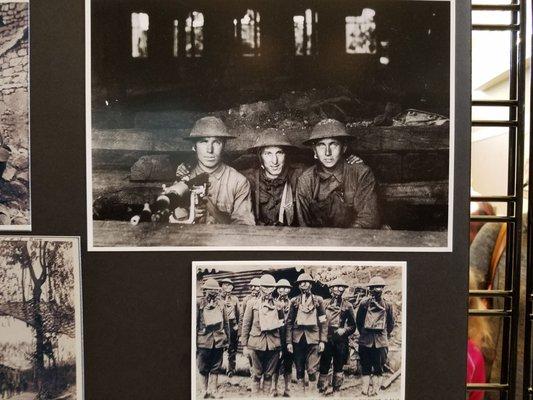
322	383
301	383
274	391
366	384
255	386
267	387
213	386
338	379
287	382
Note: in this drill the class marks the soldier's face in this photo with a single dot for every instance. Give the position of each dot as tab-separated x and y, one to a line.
255	289
273	160
283	291
338	290
227	287
209	151
267	289
210	292
376	291
304	285
329	151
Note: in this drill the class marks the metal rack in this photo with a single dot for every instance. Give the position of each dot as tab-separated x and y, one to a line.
507	386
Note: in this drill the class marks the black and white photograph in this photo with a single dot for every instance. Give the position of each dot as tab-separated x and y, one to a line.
306	329
14	116
302	125
40	319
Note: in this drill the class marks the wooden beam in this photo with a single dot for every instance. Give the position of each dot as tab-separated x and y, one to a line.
115	233
368	139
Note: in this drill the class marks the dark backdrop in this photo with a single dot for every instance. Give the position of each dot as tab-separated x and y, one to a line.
137	305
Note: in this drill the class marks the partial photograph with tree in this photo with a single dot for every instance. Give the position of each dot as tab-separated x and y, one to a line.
40	319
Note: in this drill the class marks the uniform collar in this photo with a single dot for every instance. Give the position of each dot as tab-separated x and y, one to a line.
217	173
337	172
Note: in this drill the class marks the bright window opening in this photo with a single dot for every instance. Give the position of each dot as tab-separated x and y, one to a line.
194	34
361	33
140	24
305	33
247	29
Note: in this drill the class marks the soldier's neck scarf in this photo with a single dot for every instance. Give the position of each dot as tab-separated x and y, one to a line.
286	202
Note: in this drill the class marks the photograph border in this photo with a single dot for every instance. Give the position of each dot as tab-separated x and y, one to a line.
401	264
5	229
451	187
78	303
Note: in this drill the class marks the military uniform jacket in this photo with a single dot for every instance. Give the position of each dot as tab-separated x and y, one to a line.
340	317
213	336
231	304
252	335
377	338
313	334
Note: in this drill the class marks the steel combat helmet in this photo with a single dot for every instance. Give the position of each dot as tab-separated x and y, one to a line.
211	284
271	137
304	278
284	283
337	282
267	280
328	128
209	127
377	281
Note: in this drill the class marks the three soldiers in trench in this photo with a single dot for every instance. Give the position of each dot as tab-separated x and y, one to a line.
338	191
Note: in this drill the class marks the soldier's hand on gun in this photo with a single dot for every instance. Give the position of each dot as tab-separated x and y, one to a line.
321	347
289	348
352	159
182	171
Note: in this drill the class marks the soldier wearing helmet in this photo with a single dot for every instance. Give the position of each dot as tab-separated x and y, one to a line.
341	324
231	303
254	293
306	330
274	181
228	194
211	336
261	335
284	367
334	193
375	322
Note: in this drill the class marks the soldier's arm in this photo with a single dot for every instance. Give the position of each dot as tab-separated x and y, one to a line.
246	324
360	317
290	322
350	320
322	320
390	318
237	312
303	197
366	201
242	206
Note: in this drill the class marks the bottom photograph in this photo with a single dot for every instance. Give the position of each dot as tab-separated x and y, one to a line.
40	319
302	329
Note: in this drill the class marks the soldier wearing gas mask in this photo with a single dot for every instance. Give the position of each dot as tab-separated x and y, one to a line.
375	322
231	302
306	330
284	367
341	324
261	335
211	336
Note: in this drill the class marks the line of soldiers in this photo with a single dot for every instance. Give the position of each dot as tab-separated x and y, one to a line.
306	331
338	191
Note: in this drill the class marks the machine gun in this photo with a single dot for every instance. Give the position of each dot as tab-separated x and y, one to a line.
174	201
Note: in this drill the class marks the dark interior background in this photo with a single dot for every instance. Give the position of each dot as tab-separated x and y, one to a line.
137	305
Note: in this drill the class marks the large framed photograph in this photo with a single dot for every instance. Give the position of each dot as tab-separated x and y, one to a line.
306	329
41	343
315	125
14	116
